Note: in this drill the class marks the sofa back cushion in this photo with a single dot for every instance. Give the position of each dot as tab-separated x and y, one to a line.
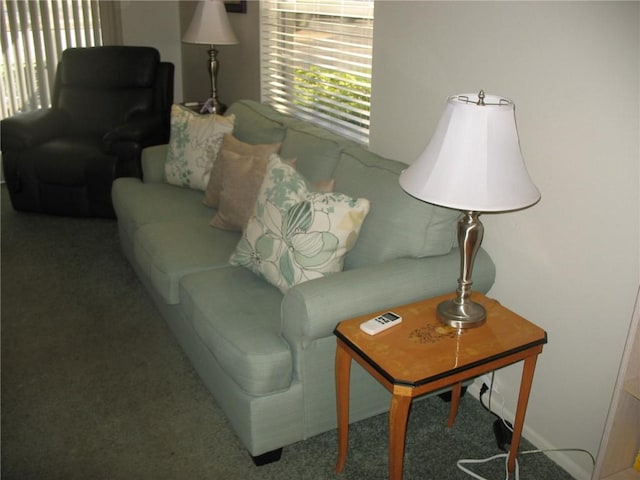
257	123
315	150
398	225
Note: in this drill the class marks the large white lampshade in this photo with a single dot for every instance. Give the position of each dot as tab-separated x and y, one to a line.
473	161
210	25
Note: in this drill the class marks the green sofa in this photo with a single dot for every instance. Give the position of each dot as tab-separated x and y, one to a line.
268	357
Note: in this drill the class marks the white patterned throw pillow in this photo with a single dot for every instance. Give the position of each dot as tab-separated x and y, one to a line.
296	234
193	146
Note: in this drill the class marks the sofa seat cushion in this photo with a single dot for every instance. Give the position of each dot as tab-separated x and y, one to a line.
166	251
237	316
137	203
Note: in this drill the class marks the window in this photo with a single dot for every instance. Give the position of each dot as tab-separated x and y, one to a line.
316	61
34	34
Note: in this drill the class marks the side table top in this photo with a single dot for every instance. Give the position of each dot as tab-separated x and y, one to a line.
422	349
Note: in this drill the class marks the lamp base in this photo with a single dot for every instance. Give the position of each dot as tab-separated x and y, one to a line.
213	105
457	314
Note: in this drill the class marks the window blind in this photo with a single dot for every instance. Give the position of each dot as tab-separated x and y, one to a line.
34	34
316	61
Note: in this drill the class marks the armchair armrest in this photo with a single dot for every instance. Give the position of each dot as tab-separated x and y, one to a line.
144	130
312	310
28	129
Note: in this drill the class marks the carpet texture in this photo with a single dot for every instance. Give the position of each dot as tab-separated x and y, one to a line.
94	386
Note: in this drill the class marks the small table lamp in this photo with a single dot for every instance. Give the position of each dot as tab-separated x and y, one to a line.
210	25
473	163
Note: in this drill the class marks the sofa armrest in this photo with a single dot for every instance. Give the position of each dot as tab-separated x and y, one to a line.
312	310
28	129
153	160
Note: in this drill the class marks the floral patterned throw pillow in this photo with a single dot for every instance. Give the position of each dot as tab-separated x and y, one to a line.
295	234
193	146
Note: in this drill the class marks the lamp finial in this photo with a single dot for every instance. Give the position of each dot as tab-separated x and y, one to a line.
481	98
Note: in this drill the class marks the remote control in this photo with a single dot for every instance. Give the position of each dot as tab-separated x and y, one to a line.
380	323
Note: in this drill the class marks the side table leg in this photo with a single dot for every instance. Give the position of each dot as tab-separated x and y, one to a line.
343	375
523	399
397	431
456	391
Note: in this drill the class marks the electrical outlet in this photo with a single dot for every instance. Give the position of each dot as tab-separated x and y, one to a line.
487	378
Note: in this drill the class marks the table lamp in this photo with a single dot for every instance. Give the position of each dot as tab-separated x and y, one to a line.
210	25
473	163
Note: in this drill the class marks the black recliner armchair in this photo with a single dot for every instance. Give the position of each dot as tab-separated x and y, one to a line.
108	104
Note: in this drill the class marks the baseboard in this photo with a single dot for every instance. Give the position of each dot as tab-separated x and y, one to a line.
564	459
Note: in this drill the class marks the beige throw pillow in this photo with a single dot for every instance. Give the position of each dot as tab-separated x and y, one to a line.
241	178
232	144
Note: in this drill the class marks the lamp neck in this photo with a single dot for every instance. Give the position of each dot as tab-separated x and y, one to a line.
470	234
215	105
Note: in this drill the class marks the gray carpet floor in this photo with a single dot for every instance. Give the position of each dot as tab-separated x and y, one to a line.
94	386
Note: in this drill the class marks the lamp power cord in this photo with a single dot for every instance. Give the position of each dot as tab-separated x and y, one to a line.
503	430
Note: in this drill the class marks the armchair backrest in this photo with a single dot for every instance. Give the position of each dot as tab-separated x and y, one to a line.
103	87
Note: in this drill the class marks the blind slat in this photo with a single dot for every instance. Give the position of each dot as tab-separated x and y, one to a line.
9	48
96	23
34	34
68	30
41	96
21	53
334	52
49	45
58	30
316	61
75	7
340	92
349	129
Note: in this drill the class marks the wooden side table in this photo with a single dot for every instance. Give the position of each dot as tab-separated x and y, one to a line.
422	355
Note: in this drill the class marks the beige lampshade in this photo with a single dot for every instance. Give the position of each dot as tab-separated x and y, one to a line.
473	161
210	25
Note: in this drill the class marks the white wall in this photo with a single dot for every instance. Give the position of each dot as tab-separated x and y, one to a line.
240	77
571	263
155	24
